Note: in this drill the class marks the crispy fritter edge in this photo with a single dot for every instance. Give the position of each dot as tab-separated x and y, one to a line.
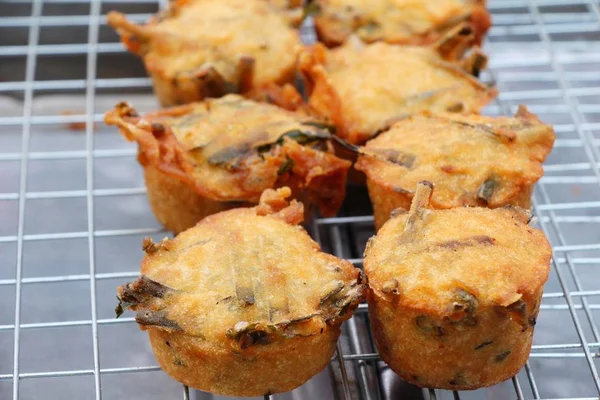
451	49
158	146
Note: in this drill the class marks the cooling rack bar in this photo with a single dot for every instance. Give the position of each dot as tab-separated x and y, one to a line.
567	19
74	118
34	30
532	382
518	24
592	154
357	329
80	372
89	169
133	274
149	231
71	278
70	20
347	357
116	48
67	155
516	385
75	235
72	84
112	2
66	194
493	6
123	83
511	4
362	309
71	194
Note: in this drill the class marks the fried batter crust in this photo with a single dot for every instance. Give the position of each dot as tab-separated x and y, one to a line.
206	48
244	303
454	294
365	88
415	22
228	151
472	160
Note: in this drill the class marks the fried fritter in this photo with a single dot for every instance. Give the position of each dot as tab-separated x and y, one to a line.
472	160
205	157
364	88
454	294
244	303
206	48
415	22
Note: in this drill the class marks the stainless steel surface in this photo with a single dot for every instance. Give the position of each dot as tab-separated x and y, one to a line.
73	209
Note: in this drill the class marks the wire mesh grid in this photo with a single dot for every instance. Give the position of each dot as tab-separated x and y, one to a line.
73	210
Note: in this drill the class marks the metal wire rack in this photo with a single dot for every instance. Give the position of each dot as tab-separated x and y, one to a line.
72	207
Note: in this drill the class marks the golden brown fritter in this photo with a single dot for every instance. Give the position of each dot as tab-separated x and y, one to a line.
205	157
244	303
364	88
472	160
454	294
206	48
415	22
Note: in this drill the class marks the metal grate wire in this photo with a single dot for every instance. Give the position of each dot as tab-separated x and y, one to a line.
544	53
